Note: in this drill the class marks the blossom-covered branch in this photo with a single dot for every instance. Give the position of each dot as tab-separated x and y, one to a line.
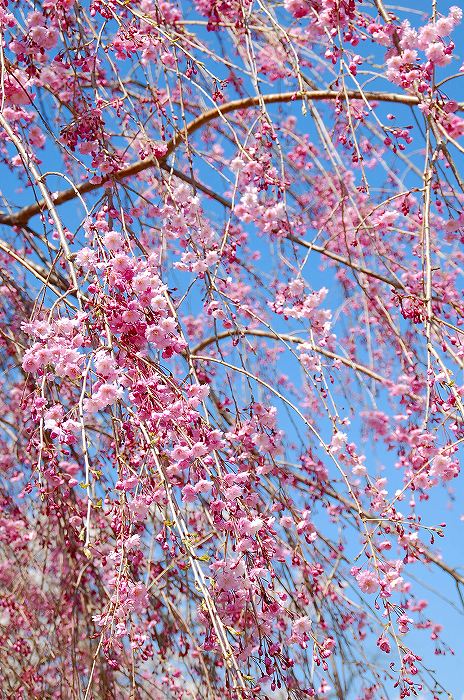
232	406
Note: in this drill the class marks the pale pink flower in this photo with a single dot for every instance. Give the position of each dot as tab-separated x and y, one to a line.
301	625
427	35
298	8
127	484
113	240
435	52
443	467
367	581
338	441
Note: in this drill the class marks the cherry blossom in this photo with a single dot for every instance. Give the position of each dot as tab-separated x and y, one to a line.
232	342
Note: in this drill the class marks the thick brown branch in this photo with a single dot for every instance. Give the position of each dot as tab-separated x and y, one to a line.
23	216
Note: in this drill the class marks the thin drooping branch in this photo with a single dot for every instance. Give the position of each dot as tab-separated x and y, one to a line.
289	339
45	276
420	549
344	261
26	213
325	488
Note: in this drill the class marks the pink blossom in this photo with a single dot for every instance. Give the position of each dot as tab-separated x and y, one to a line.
36	137
105	364
127	484
444	467
113	240
250	527
338	441
367	581
435	52
384	644
427	35
298	8
43	37
105	396
301	625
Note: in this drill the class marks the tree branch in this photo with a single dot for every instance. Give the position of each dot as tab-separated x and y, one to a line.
418	548
23	216
290	339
